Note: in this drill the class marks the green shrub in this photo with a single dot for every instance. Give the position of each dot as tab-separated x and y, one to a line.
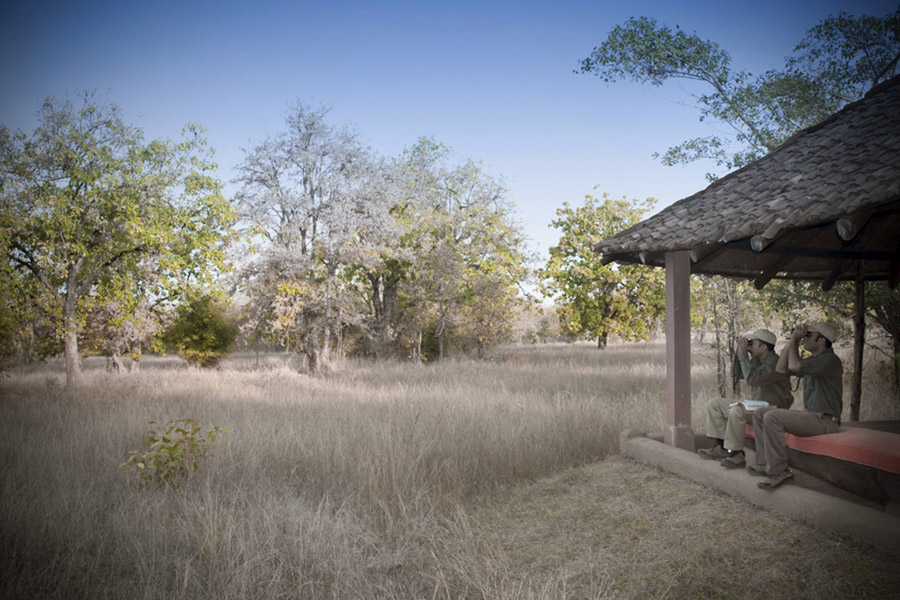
201	333
175	452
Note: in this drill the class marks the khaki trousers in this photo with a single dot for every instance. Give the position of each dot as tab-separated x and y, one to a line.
726	423
769	426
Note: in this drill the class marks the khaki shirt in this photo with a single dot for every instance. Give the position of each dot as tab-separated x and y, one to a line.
766	383
823	383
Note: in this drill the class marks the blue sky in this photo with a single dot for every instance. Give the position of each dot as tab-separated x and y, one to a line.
492	80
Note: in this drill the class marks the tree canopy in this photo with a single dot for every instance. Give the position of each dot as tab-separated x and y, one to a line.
838	61
390	252
594	298
91	210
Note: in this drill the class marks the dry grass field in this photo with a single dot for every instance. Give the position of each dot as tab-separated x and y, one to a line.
464	479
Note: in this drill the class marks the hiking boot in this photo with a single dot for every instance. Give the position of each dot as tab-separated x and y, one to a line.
735	461
715	453
774	481
757	470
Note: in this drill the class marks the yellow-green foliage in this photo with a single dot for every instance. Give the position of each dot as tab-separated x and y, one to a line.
201	332
175	452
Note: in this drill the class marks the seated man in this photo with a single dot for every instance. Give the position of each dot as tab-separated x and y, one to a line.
822	374
725	420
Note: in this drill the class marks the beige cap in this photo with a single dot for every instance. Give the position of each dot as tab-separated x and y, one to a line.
763	335
823	328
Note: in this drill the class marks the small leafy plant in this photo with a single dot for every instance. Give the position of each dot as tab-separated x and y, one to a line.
175	452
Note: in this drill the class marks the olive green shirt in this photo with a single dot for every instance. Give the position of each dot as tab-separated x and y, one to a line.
823	383
766	383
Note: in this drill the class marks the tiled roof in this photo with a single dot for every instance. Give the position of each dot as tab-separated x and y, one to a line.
846	166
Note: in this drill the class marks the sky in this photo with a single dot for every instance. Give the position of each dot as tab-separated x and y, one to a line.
492	80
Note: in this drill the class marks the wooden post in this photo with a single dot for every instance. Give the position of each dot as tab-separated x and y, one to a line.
859	341
678	430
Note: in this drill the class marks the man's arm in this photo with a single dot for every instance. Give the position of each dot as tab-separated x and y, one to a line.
794	363
743	357
790	354
782	366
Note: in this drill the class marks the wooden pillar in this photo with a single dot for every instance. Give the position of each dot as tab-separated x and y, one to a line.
678	430
859	341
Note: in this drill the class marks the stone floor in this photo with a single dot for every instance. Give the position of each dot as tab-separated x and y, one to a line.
808	499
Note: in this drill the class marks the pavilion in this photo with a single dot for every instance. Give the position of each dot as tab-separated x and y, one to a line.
825	207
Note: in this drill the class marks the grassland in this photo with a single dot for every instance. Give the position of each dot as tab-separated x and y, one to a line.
464	479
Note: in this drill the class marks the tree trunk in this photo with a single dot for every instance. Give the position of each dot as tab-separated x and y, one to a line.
418	349
116	361
326	346
311	348
340	335
312	360
896	368
734	317
137	355
601	341
859	340
73	367
384	305
720	364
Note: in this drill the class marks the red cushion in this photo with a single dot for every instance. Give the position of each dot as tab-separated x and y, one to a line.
877	449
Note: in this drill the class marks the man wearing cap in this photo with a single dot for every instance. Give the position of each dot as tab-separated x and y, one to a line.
725	420
822	373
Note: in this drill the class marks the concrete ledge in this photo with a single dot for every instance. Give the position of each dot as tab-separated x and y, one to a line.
850	519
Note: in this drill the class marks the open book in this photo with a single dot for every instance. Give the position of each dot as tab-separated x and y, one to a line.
750	405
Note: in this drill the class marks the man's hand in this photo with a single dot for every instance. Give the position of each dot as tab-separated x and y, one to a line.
742	344
798	332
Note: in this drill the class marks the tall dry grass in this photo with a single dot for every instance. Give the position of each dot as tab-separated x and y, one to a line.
349	486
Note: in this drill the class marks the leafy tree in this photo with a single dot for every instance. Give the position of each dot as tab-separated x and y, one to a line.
10	310
465	251
597	299
837	62
87	201
201	333
447	248
121	325
306	193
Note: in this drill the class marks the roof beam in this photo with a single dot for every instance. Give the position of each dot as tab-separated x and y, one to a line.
832	254
841	268
848	227
772	270
701	258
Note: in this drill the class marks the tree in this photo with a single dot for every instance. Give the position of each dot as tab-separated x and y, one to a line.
837	62
599	299
10	310
464	250
444	247
201	333
88	201
305	193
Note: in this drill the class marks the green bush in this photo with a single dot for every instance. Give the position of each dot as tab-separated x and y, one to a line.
202	334
175	452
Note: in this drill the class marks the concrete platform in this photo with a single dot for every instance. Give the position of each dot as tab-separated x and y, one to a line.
809	500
